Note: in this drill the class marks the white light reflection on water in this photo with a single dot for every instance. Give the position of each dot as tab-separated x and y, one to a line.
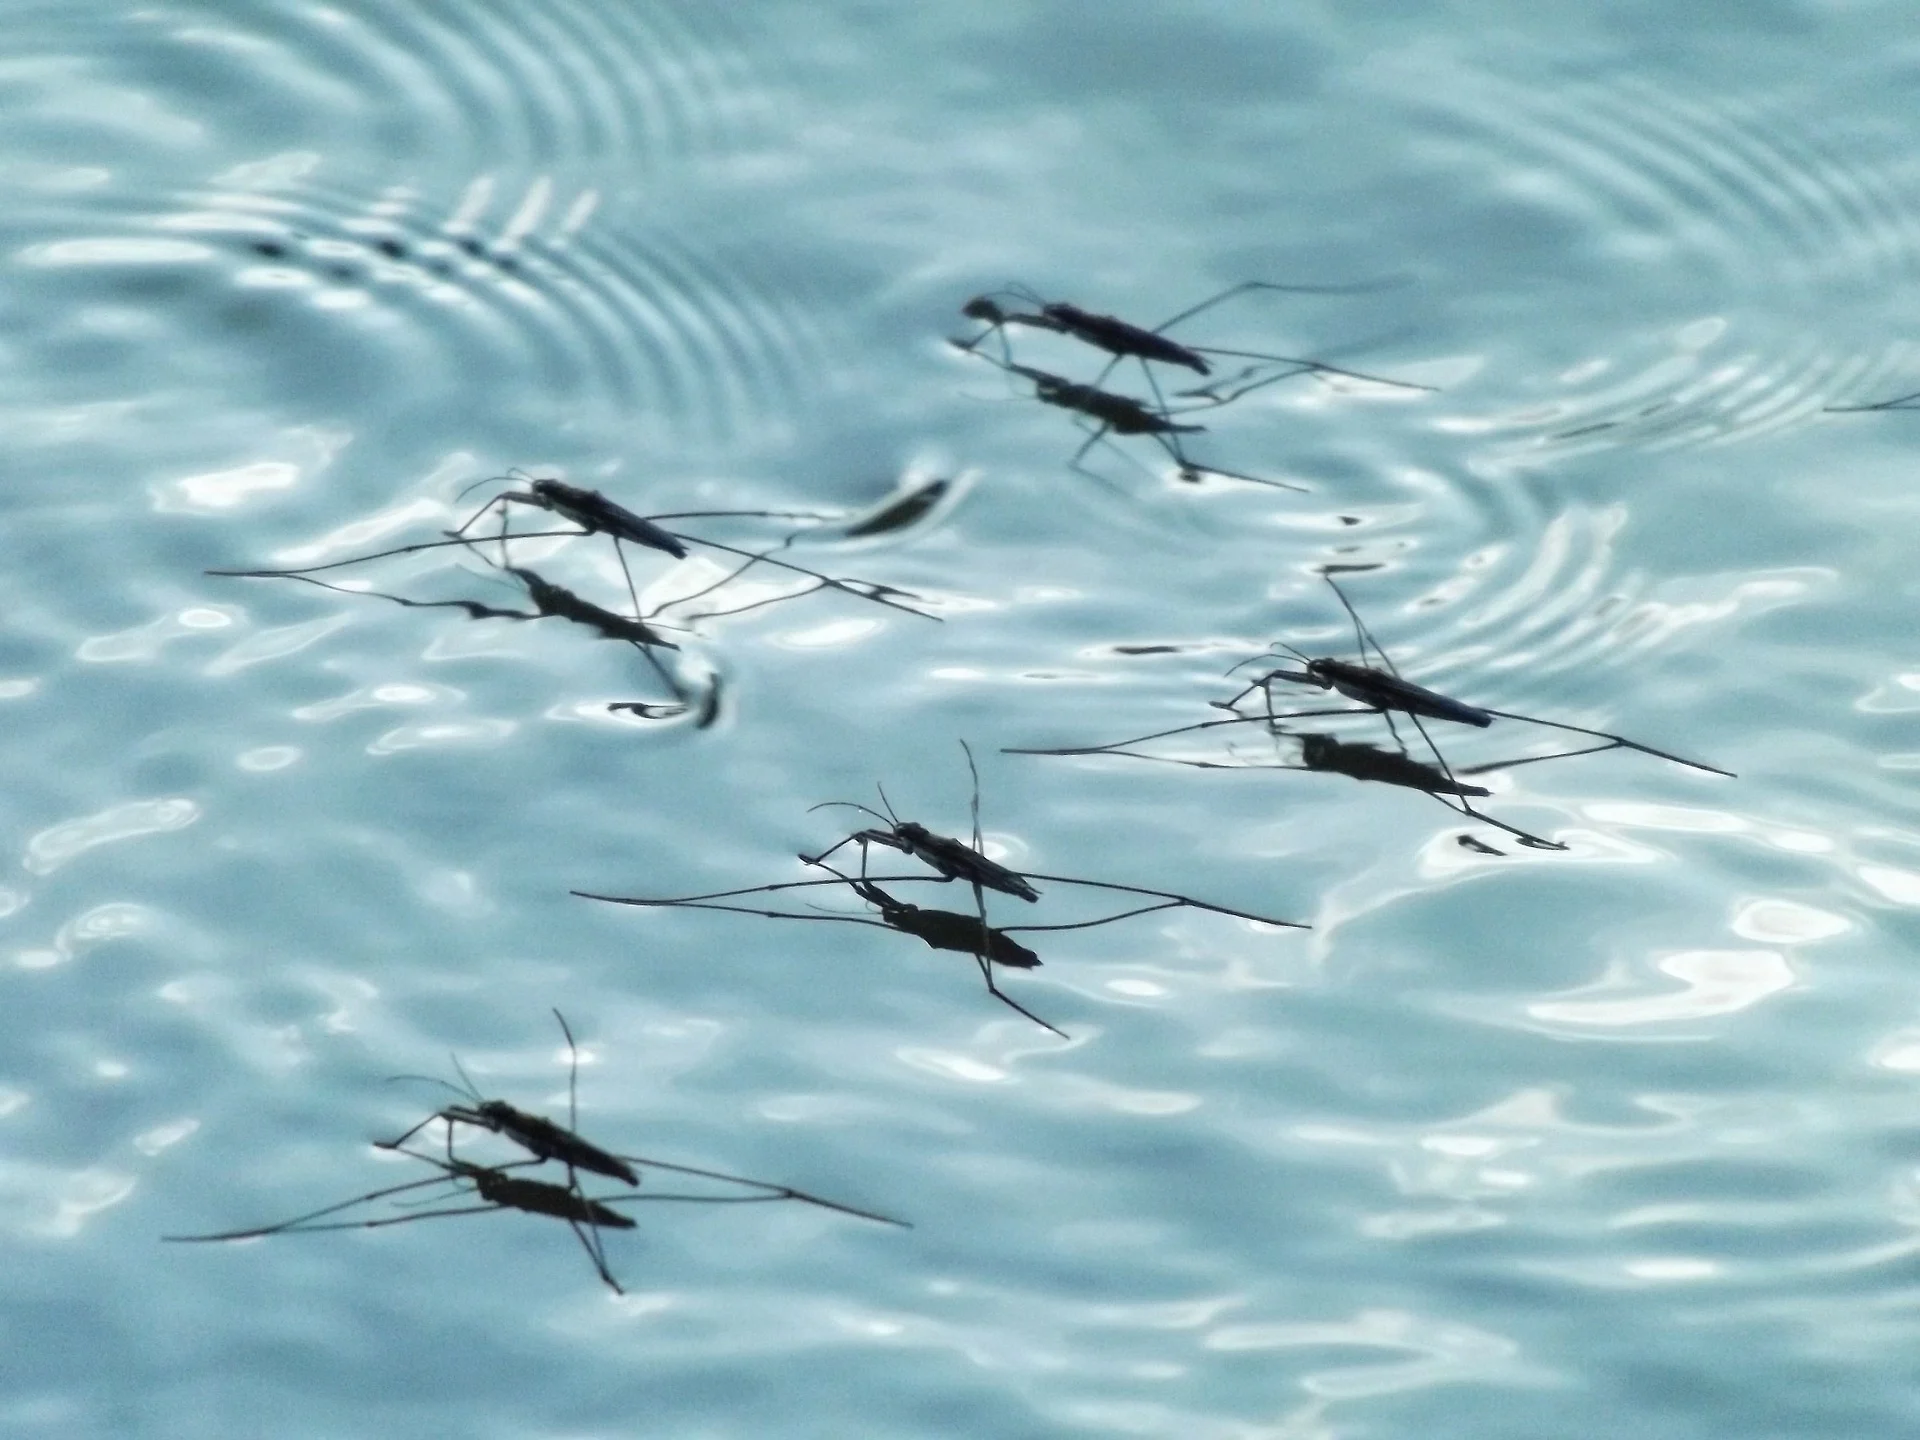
1438	1352
98	925
50	1204
224	489
61	844
147	642
1716	982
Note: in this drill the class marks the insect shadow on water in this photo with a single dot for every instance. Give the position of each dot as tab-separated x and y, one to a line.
499	1189
557	602
544	1140
550	601
1381	689
1898	402
941	929
493	1185
949	930
1124	415
1325	754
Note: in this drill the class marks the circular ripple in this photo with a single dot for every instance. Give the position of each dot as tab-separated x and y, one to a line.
523	294
1736	227
473	84
1546	602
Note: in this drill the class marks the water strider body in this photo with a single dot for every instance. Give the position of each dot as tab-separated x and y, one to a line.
1123	340
592	511
953	859
536	1134
1384	690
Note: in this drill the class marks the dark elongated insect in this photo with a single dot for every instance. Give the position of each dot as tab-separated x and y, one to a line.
939	929
545	1140
1109	333
970	934
557	602
595	514
1123	415
954	859
536	1134
1122	340
1380	690
1383	689
540	1138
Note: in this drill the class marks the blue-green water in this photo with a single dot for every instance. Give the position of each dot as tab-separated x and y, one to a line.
1618	1140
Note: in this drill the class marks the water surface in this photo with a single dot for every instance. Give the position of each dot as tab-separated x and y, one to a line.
1519	1145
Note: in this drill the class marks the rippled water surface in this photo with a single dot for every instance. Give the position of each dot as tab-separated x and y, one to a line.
1615	1139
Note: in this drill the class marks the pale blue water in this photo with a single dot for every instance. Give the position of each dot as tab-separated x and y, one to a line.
1619	1140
